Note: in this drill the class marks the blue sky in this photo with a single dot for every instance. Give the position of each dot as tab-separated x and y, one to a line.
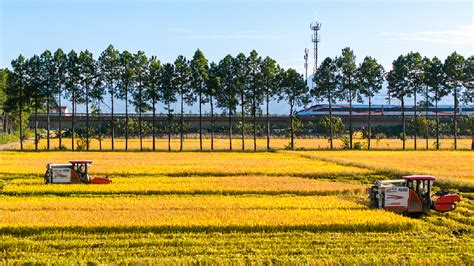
383	29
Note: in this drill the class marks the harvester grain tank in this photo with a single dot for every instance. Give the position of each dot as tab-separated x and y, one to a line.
411	195
74	172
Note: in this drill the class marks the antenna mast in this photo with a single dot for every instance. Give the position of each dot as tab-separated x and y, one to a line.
315	27
306	56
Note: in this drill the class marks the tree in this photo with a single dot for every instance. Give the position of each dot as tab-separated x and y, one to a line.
96	95
227	93
240	68
126	79
347	71
325	85
3	97
200	77
88	74
73	79
213	87
415	81
369	77
140	68
35	89
168	93
426	102
59	80
468	82
255	91
453	69
269	70
183	86
17	81
108	65
153	85
48	87
434	79
399	87
294	90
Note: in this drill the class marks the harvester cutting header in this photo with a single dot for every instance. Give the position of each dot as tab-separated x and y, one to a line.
74	172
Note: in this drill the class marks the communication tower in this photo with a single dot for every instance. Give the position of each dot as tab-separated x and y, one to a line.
315	27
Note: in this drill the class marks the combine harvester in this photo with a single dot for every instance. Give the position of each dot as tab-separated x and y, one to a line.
411	196
74	172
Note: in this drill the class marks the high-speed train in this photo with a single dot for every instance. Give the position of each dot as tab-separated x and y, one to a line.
389	110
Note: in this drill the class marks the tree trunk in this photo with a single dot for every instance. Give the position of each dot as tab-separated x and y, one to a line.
60	135
169	127
455	118
73	118
331	129
99	131
243	121
21	119
200	121
369	125
153	124
254	122
437	120
181	124
350	115
415	120
87	117
126	119
472	139
426	117
403	122
140	118
268	121
48	123
292	142
36	124
212	123
230	128
112	124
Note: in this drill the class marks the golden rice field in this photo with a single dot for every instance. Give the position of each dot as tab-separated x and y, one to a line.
226	208
454	166
227	185
222	144
139	164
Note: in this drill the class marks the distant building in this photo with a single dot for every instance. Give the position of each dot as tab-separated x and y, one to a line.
57	109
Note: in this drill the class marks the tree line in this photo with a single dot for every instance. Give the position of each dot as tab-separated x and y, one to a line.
245	82
412	75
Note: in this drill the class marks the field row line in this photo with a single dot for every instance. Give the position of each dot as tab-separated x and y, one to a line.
385	171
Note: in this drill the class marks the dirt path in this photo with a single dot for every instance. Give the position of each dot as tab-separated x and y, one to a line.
8	145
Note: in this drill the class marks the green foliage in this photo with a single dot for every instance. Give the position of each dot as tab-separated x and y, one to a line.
338	125
82	143
466	125
5	138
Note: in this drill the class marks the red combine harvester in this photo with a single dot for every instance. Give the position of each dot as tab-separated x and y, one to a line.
74	172
411	195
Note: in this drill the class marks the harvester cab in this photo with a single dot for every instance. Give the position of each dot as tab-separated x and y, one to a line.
75	172
411	195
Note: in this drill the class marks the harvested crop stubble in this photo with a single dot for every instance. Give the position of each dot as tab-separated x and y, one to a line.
313	213
447	165
188	185
177	164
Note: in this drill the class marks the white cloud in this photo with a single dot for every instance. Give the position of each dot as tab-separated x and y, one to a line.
460	36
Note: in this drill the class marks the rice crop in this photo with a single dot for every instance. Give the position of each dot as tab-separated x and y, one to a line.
188	185
222	144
